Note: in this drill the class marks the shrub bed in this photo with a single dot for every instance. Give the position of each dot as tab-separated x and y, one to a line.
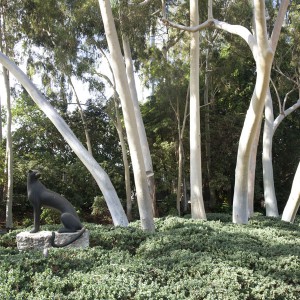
183	259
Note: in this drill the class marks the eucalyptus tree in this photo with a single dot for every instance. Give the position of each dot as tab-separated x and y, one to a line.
197	203
62	45
122	86
102	179
286	62
263	51
7	43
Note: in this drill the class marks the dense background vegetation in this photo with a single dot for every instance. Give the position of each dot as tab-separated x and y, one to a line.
184	259
71	49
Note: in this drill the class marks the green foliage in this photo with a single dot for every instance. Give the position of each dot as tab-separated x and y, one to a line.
50	216
184	259
100	210
38	145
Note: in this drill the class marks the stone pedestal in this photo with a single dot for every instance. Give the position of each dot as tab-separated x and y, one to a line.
42	240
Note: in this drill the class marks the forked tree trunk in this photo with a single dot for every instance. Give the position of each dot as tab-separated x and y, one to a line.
118	67
293	202
102	179
197	204
264	54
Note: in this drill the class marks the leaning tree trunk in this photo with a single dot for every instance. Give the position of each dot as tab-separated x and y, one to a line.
102	179
293	202
197	205
140	123
118	66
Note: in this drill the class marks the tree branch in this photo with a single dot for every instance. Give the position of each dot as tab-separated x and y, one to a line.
143	3
277	95
239	30
279	119
199	27
278	23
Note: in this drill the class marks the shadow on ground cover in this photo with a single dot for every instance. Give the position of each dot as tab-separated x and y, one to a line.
184	259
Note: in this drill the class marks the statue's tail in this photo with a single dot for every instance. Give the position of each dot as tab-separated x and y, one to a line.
73	239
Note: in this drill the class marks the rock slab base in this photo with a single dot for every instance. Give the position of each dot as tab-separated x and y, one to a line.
42	240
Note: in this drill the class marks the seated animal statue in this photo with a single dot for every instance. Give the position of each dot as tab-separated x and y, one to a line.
40	196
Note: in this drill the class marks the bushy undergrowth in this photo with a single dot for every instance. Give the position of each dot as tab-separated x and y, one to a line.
184	259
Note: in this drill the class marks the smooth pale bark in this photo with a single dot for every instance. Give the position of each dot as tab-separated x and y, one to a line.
140	123
264	58
284	114
197	204
9	153
263	53
269	131
85	127
293	202
251	176
268	178
118	67
102	179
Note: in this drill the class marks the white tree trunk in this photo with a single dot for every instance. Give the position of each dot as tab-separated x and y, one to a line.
102	179
9	153
253	117
251	176
293	202
118	66
197	205
268	178
140	123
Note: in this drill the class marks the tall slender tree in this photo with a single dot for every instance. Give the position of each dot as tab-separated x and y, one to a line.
6	45
119	70
197	203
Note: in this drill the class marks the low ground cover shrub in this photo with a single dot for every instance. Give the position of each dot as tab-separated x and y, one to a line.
183	259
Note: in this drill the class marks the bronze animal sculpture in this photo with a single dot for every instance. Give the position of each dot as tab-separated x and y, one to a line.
40	196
